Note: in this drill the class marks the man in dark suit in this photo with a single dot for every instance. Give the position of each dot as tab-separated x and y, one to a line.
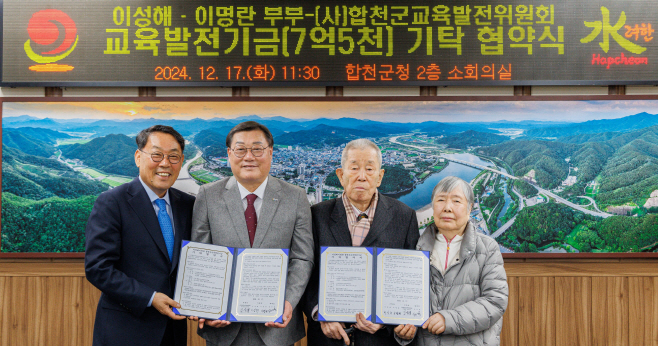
134	236
253	209
361	217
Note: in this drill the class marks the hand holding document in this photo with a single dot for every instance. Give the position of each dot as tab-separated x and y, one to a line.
260	285
388	286
347	274
238	285
403	283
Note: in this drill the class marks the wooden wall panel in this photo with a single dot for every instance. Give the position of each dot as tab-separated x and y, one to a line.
302	342
654	314
193	339
573	311
50	294
537	311
581	268
510	333
4	309
15	314
43	311
641	296
68	308
552	303
610	311
90	296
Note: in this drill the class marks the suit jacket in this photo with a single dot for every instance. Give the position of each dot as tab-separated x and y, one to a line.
284	222
126	258
394	226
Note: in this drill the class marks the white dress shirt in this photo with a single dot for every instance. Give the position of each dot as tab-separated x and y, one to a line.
260	193
153	197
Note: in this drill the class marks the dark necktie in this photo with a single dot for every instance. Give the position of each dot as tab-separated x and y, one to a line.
165	226
250	217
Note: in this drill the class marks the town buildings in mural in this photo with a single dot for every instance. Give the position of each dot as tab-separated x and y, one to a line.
585	183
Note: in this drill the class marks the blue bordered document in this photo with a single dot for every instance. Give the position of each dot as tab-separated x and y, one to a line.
237	285
389	286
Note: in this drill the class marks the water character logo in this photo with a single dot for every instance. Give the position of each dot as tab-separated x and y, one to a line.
43	30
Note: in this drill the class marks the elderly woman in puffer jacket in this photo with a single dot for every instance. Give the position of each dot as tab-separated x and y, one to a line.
468	294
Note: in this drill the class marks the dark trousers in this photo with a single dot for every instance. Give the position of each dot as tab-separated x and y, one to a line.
168	339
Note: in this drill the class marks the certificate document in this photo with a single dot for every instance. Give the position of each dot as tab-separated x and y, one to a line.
204	280
238	285
345	283
403	284
260	285
389	286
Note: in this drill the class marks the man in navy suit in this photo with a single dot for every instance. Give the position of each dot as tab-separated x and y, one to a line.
134	236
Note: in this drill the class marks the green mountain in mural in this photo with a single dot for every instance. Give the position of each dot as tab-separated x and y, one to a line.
629	123
46	201
626	162
49	225
323	135
44	135
471	138
28	144
213	141
631	174
111	154
37	178
544	157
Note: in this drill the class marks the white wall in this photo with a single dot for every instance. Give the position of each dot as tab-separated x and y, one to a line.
569	90
22	92
475	91
287	92
641	90
348	91
194	92
100	92
381	91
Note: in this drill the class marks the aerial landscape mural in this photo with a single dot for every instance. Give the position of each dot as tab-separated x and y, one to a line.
548	176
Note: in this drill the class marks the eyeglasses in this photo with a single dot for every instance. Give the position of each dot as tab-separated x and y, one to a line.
157	157
240	151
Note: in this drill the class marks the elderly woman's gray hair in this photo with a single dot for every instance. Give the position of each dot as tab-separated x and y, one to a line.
449	183
360	144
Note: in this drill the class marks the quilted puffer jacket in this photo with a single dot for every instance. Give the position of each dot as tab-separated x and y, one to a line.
472	296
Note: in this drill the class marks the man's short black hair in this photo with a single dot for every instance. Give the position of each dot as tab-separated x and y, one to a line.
143	136
250	126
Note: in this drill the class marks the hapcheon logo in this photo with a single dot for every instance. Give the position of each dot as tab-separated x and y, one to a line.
43	30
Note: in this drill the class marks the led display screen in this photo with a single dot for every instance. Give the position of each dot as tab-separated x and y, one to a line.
382	42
